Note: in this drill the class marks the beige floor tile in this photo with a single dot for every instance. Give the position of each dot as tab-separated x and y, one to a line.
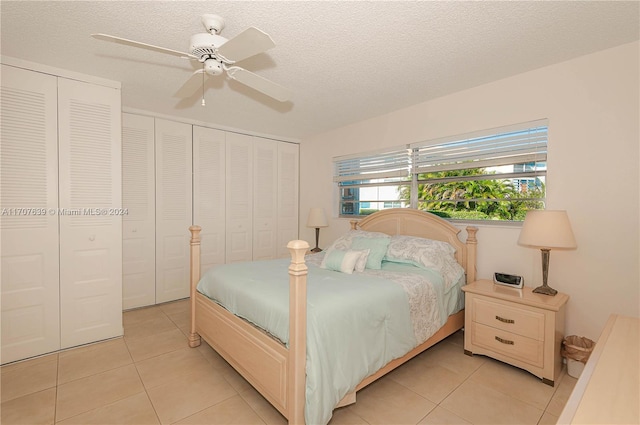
452	357
174	307
346	416
86	361
32	409
95	391
387	402
480	404
188	394
561	395
514	382
441	416
457	338
145	347
137	316
28	377
151	326
167	367
233	411
431	381
181	319
133	410
262	407
548	419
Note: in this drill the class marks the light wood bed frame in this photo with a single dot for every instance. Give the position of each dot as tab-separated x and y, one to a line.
278	372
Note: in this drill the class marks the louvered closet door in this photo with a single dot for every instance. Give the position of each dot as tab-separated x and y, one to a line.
89	126
139	225
29	247
288	195
265	198
209	193
173	209
239	197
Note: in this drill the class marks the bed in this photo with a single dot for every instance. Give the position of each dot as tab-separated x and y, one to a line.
279	370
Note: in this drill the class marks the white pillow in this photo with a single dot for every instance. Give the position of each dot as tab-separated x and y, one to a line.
361	264
341	261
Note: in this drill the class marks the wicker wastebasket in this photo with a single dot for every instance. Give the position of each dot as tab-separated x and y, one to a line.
576	349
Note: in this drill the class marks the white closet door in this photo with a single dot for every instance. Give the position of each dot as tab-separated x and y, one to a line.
288	195
29	239
265	198
89	131
239	196
209	193
173	209
139	224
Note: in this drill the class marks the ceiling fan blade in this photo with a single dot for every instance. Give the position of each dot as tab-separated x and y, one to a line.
246	44
193	84
259	83
126	42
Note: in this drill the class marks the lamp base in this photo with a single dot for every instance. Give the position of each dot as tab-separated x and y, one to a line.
545	290
316	249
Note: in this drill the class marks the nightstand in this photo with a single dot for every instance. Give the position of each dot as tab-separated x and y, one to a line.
515	326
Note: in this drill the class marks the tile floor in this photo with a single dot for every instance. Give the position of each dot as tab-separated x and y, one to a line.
151	376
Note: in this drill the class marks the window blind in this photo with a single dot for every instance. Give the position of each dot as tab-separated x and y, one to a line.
517	144
387	163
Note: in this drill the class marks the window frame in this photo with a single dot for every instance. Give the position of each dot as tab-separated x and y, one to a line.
524	143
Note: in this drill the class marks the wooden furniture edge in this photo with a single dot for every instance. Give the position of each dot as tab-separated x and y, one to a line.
572	407
194	273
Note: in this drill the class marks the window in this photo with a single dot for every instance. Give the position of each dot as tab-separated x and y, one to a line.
496	174
373	181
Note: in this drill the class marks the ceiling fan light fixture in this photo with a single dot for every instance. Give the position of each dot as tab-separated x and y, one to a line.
205	45
213	67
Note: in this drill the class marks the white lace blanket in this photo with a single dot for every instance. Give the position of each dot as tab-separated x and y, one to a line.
425	295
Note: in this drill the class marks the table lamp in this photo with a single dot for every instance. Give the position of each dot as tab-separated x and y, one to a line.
317	219
547	230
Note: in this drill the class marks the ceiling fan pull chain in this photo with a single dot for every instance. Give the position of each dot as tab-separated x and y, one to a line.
203	102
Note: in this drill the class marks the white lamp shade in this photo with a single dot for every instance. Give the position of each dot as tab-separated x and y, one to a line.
547	229
317	218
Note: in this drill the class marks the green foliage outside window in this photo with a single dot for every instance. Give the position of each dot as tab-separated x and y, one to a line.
476	198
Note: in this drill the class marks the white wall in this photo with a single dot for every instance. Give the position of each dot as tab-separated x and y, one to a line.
592	103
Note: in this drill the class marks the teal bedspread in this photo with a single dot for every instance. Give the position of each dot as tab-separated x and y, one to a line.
355	323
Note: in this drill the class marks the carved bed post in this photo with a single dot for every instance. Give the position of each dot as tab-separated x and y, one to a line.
296	385
472	245
194	338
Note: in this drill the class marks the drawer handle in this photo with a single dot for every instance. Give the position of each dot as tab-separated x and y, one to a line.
504	341
502	319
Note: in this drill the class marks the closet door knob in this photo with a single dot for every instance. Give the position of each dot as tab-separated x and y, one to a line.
92	238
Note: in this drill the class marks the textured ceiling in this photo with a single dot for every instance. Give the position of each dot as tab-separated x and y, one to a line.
345	61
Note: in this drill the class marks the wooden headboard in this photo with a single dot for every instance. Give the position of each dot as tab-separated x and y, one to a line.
410	222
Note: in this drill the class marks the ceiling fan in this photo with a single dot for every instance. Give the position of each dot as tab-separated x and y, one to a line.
218	55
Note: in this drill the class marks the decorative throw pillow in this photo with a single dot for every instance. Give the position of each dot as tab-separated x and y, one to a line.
361	264
377	247
419	251
426	253
341	261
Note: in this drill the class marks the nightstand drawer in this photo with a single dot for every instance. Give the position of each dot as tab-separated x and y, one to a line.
518	347
509	318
